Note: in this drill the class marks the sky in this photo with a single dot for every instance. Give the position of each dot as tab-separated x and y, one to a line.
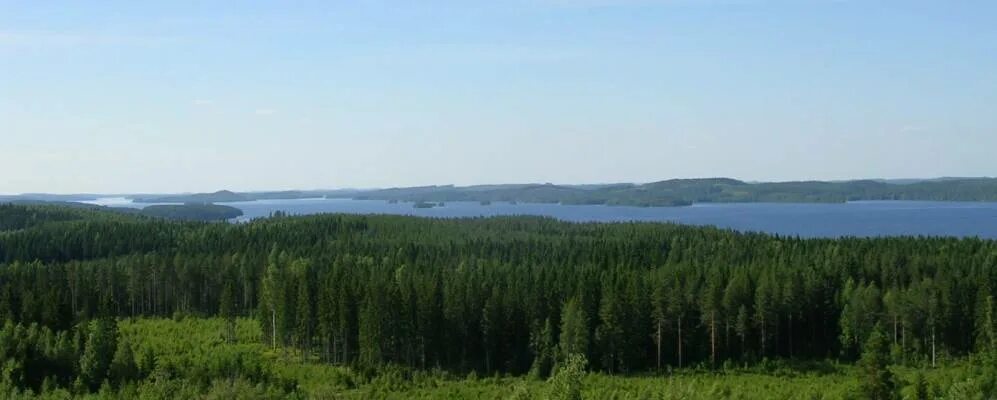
189	96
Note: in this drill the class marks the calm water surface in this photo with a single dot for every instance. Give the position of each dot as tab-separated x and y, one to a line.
867	218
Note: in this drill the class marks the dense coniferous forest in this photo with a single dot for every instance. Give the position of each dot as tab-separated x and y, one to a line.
509	296
179	212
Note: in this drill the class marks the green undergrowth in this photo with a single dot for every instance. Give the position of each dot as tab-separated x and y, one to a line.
201	358
198	345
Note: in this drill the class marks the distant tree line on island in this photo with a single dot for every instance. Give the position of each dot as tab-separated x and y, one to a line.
674	192
192	212
510	294
681	192
66	211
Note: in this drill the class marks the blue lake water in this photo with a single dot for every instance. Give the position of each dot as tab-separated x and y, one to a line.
866	218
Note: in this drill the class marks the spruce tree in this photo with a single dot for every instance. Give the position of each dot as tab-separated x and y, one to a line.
876	381
542	344
609	334
101	344
574	330
123	366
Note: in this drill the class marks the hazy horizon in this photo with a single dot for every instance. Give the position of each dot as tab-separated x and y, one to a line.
124	97
333	188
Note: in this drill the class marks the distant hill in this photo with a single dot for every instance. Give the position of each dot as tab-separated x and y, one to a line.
221	196
225	196
672	192
49	197
678	192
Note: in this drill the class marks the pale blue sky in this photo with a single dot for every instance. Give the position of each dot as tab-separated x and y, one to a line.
125	96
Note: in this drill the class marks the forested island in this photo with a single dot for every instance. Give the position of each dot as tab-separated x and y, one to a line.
104	304
683	192
46	210
673	192
193	212
227	196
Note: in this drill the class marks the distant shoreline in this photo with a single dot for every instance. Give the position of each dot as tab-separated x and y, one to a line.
668	193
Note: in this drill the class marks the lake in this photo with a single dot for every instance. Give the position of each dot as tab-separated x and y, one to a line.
864	218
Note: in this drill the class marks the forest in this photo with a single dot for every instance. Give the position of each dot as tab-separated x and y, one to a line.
179	212
109	305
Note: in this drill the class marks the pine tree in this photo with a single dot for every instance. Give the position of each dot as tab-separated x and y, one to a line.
659	301
710	303
742	325
372	330
609	334
676	312
492	320
226	309
271	296
792	295
736	300
304	312
764	313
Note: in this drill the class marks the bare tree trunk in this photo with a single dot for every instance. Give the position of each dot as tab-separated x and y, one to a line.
657	339
932	346
727	335
679	341
903	338
894	329
273	329
743	345
488	362
713	337
790	327
763	336
327	348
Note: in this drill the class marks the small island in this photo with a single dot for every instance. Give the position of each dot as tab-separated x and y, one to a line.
192	212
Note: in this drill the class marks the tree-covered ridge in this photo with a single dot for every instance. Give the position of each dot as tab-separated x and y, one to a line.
674	192
193	212
223	196
19	217
219	196
513	295
23	215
